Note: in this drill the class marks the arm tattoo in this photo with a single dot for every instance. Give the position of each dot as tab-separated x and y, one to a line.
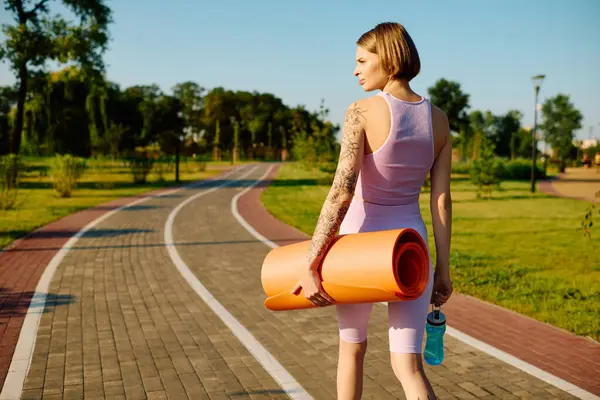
342	189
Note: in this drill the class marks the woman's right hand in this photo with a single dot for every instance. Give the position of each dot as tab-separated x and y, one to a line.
442	288
313	290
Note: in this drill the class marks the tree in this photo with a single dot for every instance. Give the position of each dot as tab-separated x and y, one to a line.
561	120
36	37
168	125
508	126
8	98
448	96
236	142
483	170
190	95
521	144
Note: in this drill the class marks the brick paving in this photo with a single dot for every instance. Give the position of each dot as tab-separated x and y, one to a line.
23	262
136	330
127	325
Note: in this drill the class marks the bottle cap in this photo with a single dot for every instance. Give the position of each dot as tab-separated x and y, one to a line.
436	318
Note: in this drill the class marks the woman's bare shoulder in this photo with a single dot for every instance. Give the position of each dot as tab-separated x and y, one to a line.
441	126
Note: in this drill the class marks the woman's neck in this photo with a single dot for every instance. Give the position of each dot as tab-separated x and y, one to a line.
401	89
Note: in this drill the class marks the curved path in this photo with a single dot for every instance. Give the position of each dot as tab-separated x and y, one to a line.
163	300
574	183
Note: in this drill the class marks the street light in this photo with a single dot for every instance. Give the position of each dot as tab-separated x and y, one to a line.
537	82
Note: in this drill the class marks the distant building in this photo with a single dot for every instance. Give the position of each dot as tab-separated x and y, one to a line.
585	143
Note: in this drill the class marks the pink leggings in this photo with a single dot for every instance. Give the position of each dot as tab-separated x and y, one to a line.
406	320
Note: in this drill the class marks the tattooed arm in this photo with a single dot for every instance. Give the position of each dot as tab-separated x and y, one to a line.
342	190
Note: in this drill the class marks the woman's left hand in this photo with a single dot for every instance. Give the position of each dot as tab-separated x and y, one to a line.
313	290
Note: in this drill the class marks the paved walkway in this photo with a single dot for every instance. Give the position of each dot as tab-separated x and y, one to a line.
577	183
163	300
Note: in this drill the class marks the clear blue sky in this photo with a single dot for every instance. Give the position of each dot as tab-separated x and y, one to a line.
304	51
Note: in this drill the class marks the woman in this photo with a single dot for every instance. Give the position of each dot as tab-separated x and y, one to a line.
390	142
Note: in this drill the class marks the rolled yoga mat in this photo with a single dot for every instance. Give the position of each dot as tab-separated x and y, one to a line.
381	266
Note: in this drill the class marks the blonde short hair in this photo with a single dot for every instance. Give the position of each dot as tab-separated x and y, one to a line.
396	51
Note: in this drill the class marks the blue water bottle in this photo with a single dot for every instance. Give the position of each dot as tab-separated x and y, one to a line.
435	328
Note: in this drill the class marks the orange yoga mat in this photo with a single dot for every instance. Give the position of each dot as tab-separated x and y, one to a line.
363	267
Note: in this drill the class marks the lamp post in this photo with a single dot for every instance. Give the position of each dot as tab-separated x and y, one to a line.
537	82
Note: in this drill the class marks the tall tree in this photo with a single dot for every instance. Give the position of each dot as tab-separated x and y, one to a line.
508	126
476	132
8	98
36	36
448	96
190	96
561	120
168	124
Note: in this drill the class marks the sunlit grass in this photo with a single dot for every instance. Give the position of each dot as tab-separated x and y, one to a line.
103	181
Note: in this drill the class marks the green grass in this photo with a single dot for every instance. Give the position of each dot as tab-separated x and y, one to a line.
103	181
518	250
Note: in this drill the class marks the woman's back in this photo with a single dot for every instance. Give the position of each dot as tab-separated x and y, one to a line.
400	148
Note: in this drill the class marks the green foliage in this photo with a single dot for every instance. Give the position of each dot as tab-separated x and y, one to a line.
316	148
37	36
561	120
484	170
519	169
236	135
461	167
71	111
449	97
189	94
162	166
10	167
270	135
66	170
304	150
217	139
140	165
507	127
587	222
8	99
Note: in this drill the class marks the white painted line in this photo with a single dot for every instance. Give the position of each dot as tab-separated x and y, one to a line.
243	222
484	347
21	360
269	363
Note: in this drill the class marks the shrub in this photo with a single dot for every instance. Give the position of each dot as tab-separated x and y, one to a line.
10	169
461	167
484	170
520	169
200	166
304	150
163	165
140	168
65	171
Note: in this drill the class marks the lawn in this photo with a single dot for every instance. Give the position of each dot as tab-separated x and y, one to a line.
103	181
519	250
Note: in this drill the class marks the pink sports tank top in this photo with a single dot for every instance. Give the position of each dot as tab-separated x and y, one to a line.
394	173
